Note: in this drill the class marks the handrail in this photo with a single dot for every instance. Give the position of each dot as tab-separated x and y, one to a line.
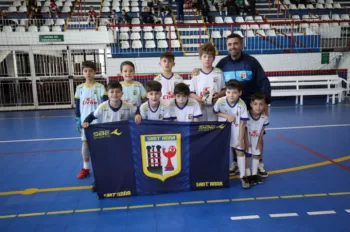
285	8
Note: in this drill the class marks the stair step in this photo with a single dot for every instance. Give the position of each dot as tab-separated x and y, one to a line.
194	36
191	29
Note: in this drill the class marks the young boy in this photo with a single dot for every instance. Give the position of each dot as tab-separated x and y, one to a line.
207	83
154	109
87	98
134	92
114	109
185	109
233	109
254	135
167	78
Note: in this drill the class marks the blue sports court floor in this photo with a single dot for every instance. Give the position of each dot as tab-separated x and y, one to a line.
306	153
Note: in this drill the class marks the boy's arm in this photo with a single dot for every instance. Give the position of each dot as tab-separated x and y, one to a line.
77	110
242	127
259	145
216	110
94	115
246	140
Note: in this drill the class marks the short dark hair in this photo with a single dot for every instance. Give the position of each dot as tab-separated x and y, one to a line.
89	64
126	63
167	55
207	48
258	96
182	88
153	86
114	85
235	35
234	84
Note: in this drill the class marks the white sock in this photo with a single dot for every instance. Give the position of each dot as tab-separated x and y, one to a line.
247	172
86	165
255	165
241	165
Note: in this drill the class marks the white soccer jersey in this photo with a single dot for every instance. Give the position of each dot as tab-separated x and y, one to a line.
106	113
161	113
254	127
168	85
205	83
90	98
187	113
133	93
239	110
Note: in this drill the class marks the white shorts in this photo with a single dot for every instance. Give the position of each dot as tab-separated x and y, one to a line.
234	142
208	114
83	137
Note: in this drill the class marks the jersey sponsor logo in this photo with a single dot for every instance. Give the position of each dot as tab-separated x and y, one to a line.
135	92
169	95
89	101
205	92
161	155
215	79
190	116
254	133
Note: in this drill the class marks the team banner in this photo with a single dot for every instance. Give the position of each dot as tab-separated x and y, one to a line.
158	157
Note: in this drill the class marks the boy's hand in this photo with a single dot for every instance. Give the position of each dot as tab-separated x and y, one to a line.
230	118
195	72
138	119
241	144
85	124
78	123
259	147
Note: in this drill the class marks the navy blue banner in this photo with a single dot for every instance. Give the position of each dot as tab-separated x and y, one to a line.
158	157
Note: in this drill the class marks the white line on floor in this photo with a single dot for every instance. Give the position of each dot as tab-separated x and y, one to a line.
321	212
284	215
245	217
275	128
347	210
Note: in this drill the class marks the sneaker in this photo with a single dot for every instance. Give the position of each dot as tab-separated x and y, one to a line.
257	179
250	179
233	169
261	171
245	182
83	173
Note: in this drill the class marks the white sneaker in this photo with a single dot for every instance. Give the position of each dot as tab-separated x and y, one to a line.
261	170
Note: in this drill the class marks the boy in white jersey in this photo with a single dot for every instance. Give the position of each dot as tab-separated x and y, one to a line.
254	135
167	78
87	98
133	91
207	83
154	109
185	109
233	109
114	109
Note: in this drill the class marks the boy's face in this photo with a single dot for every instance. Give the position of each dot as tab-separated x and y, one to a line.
257	106
128	73
167	64
89	73
181	98
233	94
207	60
115	95
154	96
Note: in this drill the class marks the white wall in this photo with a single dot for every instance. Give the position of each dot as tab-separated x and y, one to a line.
70	37
274	62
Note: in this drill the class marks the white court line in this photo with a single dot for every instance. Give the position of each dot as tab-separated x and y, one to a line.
321	212
347	210
307	127
284	215
275	128
245	217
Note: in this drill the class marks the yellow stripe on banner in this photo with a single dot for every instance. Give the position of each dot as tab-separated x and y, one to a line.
291	196
60	212
31	214
218	201
115	208
8	216
87	210
243	199
141	206
267	198
167	204
339	194
192	202
316	195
